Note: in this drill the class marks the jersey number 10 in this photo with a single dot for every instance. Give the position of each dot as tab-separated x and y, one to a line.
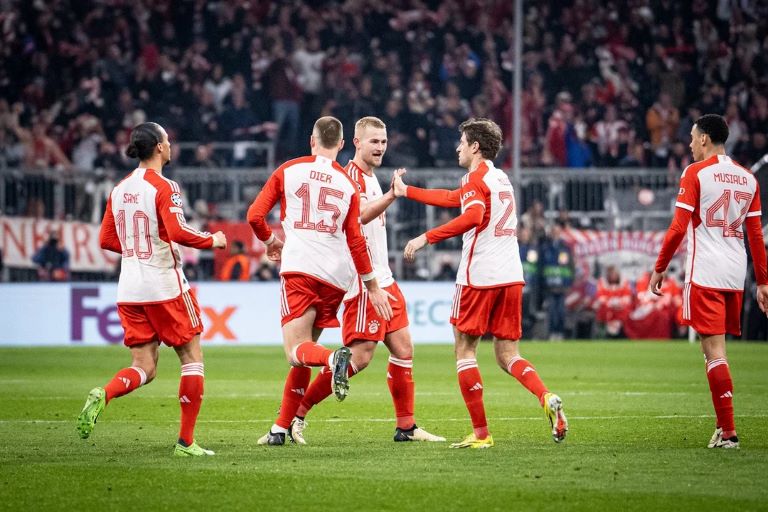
140	233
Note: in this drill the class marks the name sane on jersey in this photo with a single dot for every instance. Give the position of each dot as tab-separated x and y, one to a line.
130	198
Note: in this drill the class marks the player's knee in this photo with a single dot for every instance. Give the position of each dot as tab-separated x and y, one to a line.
361	360
402	352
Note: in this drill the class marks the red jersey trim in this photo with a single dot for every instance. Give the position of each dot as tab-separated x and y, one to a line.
697	285
312	276
491	286
150	303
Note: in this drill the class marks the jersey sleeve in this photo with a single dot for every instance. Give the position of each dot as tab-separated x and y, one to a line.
108	238
690	190
757	248
272	192
755	207
435	197
358	247
170	211
472	197
672	239
473	193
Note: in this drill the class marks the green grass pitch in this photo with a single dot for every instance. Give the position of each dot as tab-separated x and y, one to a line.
640	417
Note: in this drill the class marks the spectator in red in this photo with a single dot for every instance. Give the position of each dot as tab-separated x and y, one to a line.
557	129
614	303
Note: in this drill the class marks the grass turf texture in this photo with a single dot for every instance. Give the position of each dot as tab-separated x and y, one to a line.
640	417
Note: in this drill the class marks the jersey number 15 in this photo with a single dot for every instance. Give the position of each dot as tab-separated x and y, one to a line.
322	205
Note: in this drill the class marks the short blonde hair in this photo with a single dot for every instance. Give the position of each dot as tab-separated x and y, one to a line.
365	122
328	132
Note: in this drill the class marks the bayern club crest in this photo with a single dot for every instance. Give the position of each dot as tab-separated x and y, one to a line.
176	199
373	326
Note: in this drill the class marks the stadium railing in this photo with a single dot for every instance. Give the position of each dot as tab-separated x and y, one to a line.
639	199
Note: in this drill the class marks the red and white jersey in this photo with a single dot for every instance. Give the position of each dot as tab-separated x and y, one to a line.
375	231
320	215
490	256
144	221
720	194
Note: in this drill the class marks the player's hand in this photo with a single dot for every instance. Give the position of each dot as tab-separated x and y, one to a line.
275	250
413	246
219	240
380	301
762	297
657	279
398	186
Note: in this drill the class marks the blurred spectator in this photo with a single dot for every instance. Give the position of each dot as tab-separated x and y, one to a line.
534	220
662	120
52	260
266	270
560	122
529	256
614	302
237	267
557	273
680	158
446	271
285	92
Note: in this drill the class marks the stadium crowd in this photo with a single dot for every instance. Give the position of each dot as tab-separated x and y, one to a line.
605	84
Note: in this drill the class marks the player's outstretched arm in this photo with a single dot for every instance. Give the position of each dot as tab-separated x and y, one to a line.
434	197
108	239
471	218
370	210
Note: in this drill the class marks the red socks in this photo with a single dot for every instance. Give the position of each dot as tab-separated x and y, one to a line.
311	354
190	399
400	382
125	381
526	374
320	389
471	385
295	388
721	386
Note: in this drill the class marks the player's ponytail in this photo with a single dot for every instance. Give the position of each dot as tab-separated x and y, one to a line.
144	140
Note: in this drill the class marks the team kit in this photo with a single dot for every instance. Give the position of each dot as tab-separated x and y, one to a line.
334	251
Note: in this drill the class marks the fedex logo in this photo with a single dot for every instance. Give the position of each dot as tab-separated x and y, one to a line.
88	310
467	195
106	319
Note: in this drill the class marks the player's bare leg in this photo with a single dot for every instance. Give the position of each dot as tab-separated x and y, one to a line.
471	385
401	387
320	388
142	370
191	387
721	387
301	348
509	359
